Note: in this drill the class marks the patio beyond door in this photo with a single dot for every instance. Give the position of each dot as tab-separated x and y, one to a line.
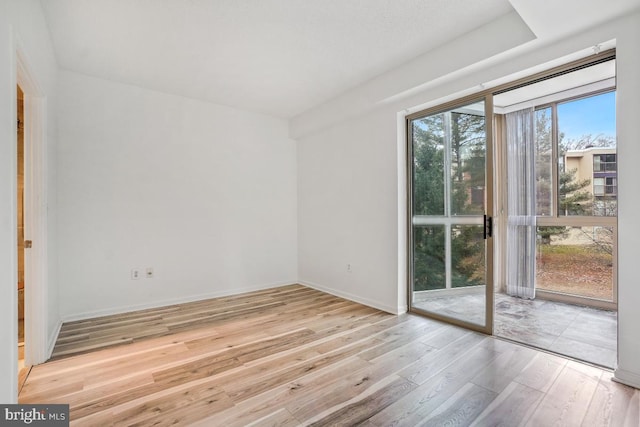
451	224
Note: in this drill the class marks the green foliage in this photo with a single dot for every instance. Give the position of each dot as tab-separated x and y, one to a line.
573	198
463	136
428	258
428	169
467	253
567	249
543	153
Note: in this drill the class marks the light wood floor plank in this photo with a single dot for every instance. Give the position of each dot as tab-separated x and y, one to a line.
512	407
507	366
417	405
567	401
242	390
259	406
294	356
541	372
280	418
334	395
433	363
613	404
363	409
461	408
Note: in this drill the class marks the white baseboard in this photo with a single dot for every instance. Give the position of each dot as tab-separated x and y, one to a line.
52	340
355	298
627	378
171	301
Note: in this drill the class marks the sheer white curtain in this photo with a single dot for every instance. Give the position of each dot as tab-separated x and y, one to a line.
521	205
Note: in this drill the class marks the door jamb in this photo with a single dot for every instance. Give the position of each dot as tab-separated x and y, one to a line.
497	210
487	98
35	200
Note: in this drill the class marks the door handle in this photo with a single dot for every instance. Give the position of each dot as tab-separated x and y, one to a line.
488	227
28	244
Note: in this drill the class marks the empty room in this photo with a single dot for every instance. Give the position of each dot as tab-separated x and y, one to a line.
319	213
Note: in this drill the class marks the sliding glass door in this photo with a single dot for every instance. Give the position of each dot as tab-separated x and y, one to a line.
450	213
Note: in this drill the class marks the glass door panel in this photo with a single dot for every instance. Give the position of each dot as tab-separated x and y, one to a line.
448	215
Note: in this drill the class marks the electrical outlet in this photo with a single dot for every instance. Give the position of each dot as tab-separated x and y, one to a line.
149	273
349	270
135	274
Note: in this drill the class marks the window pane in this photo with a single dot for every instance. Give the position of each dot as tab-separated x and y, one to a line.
543	166
575	260
587	172
467	256
428	165
429	269
597	167
598	186
468	142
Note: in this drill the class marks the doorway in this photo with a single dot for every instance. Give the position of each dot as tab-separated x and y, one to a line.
20	179
34	212
555	203
450	215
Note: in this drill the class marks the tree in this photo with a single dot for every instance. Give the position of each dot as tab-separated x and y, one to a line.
588	141
573	198
543	158
428	167
587	203
468	147
463	135
428	199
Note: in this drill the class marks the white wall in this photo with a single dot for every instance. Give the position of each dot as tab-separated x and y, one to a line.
350	182
22	24
204	194
347	199
628	110
348	171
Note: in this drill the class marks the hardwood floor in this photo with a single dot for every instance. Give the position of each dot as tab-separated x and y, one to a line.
296	356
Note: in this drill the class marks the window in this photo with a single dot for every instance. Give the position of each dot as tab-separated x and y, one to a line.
598	186
604	186
586	182
604	163
543	160
575	246
568	182
611	186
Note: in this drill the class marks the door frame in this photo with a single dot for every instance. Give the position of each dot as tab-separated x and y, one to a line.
487	98
498	198
35	211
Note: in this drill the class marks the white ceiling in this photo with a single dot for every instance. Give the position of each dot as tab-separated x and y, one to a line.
280	57
556	18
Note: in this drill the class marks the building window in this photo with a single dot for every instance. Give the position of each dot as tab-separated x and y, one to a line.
611	185
598	186
604	163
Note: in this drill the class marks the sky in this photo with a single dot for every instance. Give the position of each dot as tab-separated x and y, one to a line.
594	115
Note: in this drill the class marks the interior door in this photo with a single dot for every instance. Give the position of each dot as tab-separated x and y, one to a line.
450	241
